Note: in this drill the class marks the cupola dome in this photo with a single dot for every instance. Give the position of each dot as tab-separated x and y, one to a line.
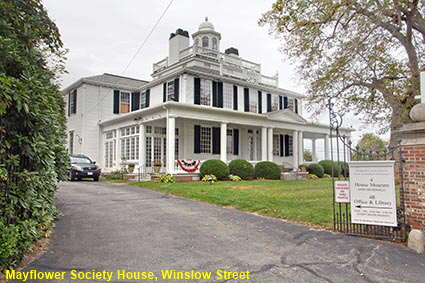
206	26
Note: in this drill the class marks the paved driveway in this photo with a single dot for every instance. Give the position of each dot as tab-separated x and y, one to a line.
116	227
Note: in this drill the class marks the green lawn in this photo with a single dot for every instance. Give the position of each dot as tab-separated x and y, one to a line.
300	201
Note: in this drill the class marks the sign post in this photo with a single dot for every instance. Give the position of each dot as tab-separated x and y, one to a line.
372	193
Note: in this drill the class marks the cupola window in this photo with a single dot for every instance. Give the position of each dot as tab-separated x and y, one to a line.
214	43
205	41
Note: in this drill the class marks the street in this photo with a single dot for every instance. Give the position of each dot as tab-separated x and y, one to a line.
117	230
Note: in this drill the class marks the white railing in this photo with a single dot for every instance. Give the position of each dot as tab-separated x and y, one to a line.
272	81
160	65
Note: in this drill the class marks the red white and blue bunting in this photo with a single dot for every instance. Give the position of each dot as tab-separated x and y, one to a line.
189	165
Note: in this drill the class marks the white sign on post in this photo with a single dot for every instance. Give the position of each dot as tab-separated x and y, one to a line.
372	192
342	191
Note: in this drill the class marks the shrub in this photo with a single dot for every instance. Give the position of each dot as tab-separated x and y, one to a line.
166	179
327	176
303	167
267	170
215	167
328	166
316	169
234	178
209	178
241	168
344	169
312	177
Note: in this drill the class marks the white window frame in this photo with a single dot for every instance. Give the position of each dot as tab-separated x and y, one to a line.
276	145
205	140
227	96
206	92
122	102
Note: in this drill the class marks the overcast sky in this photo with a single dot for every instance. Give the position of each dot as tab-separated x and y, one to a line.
103	35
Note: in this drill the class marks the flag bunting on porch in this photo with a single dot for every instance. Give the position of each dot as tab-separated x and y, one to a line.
189	165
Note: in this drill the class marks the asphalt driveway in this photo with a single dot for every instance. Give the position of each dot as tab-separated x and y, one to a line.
111	228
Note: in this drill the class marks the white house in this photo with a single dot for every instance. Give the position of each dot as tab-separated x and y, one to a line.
201	104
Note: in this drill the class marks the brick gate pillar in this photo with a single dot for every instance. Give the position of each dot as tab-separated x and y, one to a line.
413	147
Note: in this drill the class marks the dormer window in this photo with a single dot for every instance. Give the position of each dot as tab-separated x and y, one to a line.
124	102
205	41
214	43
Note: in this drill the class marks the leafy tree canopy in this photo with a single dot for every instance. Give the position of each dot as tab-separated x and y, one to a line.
371	141
367	54
32	126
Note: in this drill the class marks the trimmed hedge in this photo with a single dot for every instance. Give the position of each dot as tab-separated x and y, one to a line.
328	165
316	169
214	167
241	168
267	170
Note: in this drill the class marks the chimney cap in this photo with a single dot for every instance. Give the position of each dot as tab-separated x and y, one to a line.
232	50
181	32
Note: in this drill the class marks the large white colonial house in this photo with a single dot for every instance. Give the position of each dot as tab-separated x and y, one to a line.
200	104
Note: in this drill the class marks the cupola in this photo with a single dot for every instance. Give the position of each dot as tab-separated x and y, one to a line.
206	36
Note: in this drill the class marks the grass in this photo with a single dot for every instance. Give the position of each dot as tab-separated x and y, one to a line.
300	201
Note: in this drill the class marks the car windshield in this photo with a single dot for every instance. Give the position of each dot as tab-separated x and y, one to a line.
80	159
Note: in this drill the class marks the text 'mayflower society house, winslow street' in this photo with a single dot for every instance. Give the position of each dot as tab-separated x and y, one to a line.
201	104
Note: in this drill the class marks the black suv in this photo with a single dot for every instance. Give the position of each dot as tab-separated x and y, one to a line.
83	167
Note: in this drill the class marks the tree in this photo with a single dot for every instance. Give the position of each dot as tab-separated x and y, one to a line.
371	141
32	126
307	155
367	55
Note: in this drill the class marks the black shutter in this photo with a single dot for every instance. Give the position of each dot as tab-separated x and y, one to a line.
216	140
69	104
164	92
246	99
269	102
176	89
260	102
220	94
197	91
281	145
197	140
296	105
280	102
74	110
148	97
235	97
286	145
135	101
285	102
236	141
214	94
116	102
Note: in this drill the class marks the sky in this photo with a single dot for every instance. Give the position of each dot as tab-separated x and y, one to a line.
103	35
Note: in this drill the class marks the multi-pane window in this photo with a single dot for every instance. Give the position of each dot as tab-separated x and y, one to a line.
71	142
130	143
205	41
148	151
290	141
148	129
205	141
124	102
72	102
228	96
253	102
291	104
160	130
170	91
143	100
110	149
206	92
276	145
214	43
275	102
229	142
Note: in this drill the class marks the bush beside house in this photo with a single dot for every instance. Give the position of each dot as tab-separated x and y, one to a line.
241	168
267	170
316	169
214	167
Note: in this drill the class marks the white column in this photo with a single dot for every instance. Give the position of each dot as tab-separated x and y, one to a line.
118	149
327	156
171	139
263	144
347	149
295	148
223	142
270	144
142	145
313	150
301	147
183	88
